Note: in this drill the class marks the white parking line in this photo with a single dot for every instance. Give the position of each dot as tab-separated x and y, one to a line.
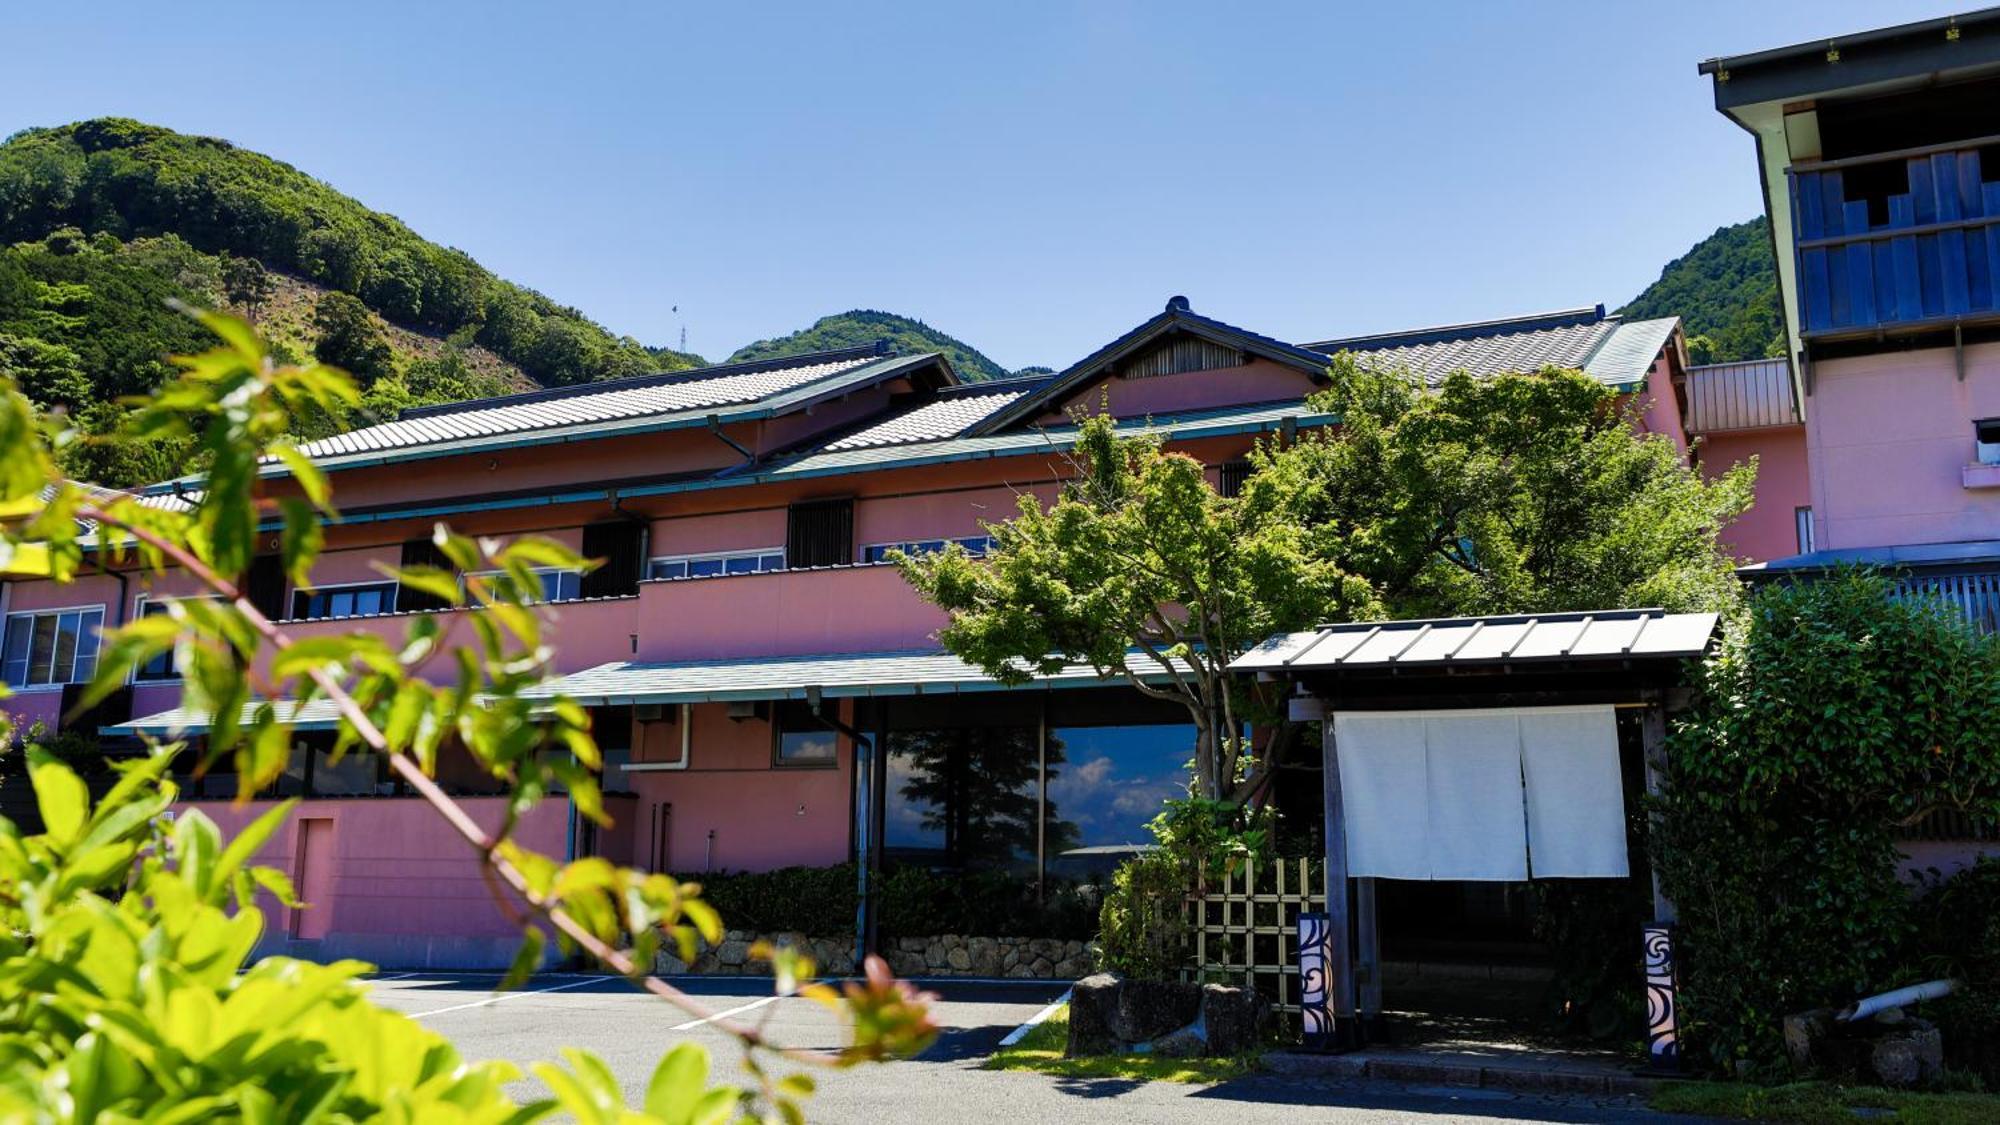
737	1011
1021	1032
397	976
511	996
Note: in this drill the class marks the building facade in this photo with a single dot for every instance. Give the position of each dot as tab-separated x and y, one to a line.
768	690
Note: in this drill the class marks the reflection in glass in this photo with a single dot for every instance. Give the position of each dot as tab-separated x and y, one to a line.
1113	783
358	773
965	795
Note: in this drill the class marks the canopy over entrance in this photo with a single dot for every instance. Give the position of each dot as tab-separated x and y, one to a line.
1475	748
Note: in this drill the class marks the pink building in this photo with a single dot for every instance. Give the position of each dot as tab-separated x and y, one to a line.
768	690
1882	182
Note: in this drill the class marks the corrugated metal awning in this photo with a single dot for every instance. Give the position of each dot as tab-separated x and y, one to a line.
1610	635
789	677
317	714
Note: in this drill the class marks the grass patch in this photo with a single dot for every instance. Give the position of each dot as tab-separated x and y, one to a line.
1041	1050
1810	1103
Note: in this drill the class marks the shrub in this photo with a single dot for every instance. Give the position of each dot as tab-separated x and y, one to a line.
1958	927
1141	930
913	901
1836	711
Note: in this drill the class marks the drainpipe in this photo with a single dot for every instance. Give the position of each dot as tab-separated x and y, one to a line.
1868	1006
864	746
715	427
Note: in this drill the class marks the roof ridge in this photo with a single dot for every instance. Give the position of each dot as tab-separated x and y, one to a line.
1561	318
990	386
655	379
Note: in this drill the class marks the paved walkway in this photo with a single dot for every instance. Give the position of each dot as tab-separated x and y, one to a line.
630	1031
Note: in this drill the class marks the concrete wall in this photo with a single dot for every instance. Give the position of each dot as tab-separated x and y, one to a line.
1890	438
394	885
1768	530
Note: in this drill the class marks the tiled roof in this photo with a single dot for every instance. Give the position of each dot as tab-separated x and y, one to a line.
1621	634
947	416
1614	351
645	396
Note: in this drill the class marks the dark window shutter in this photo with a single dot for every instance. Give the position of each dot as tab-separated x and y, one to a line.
420	552
620	543
1231	475
820	533
112	709
264	585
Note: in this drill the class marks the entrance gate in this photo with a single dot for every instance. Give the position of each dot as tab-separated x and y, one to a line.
1476	748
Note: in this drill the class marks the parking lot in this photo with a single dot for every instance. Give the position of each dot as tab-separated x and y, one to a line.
630	1031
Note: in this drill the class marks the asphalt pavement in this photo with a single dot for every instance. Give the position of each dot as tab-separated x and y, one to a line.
630	1031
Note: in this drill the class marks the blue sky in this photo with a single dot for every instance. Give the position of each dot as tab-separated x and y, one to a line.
1034	179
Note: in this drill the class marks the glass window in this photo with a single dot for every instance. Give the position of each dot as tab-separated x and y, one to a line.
1105	784
800	739
165	665
343	601
55	647
978	546
554	585
358	773
964	795
717	564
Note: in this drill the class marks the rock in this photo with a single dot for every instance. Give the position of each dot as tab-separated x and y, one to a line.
733	952
985	955
959	958
935	952
1804	1032
1182	1043
1906	1059
1232	1019
1149	1009
1020	971
1041	968
1092	1005
1890	1017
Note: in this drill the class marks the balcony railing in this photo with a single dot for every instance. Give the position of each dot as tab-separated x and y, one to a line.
1749	395
1903	240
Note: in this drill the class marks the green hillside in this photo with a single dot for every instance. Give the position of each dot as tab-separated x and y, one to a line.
1725	290
132	181
865	326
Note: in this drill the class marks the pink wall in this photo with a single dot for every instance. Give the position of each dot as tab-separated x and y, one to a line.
1768	530
1890	438
1660	409
1260	380
902	519
719	531
401	888
762	816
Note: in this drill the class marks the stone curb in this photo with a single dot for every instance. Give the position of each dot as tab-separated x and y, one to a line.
1433	1071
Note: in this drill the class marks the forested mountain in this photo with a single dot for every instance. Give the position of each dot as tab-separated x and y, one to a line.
103	222
865	326
1726	292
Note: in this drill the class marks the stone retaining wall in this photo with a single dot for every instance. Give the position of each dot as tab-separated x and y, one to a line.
946	955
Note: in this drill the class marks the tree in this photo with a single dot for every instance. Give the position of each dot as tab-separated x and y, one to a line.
124	936
1512	494
349	339
1836	710
246	284
1140	570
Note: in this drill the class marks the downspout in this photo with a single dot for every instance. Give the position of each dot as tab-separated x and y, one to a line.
864	909
715	427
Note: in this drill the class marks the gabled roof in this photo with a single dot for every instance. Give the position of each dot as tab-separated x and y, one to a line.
1178	317
1610	349
644	403
954	411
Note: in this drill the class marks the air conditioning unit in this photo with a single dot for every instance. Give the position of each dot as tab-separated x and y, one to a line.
654	712
744	709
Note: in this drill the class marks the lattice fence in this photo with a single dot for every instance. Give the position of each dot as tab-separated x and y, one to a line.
1244	930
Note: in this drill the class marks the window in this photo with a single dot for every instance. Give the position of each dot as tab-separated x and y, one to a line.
164	666
57	646
718	563
1986	436
801	739
556	585
358	600
819	533
1104	785
1802	521
978	546
1229	477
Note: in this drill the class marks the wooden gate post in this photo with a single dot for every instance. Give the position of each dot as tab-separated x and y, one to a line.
1339	914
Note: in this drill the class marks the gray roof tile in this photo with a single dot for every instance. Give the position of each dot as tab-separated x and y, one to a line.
1613	351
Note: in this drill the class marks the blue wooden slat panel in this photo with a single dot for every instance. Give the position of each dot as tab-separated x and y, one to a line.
1860	266
1972	205
1833	210
1909	286
1951	244
1923	195
1884	268
1818	314
1991	236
